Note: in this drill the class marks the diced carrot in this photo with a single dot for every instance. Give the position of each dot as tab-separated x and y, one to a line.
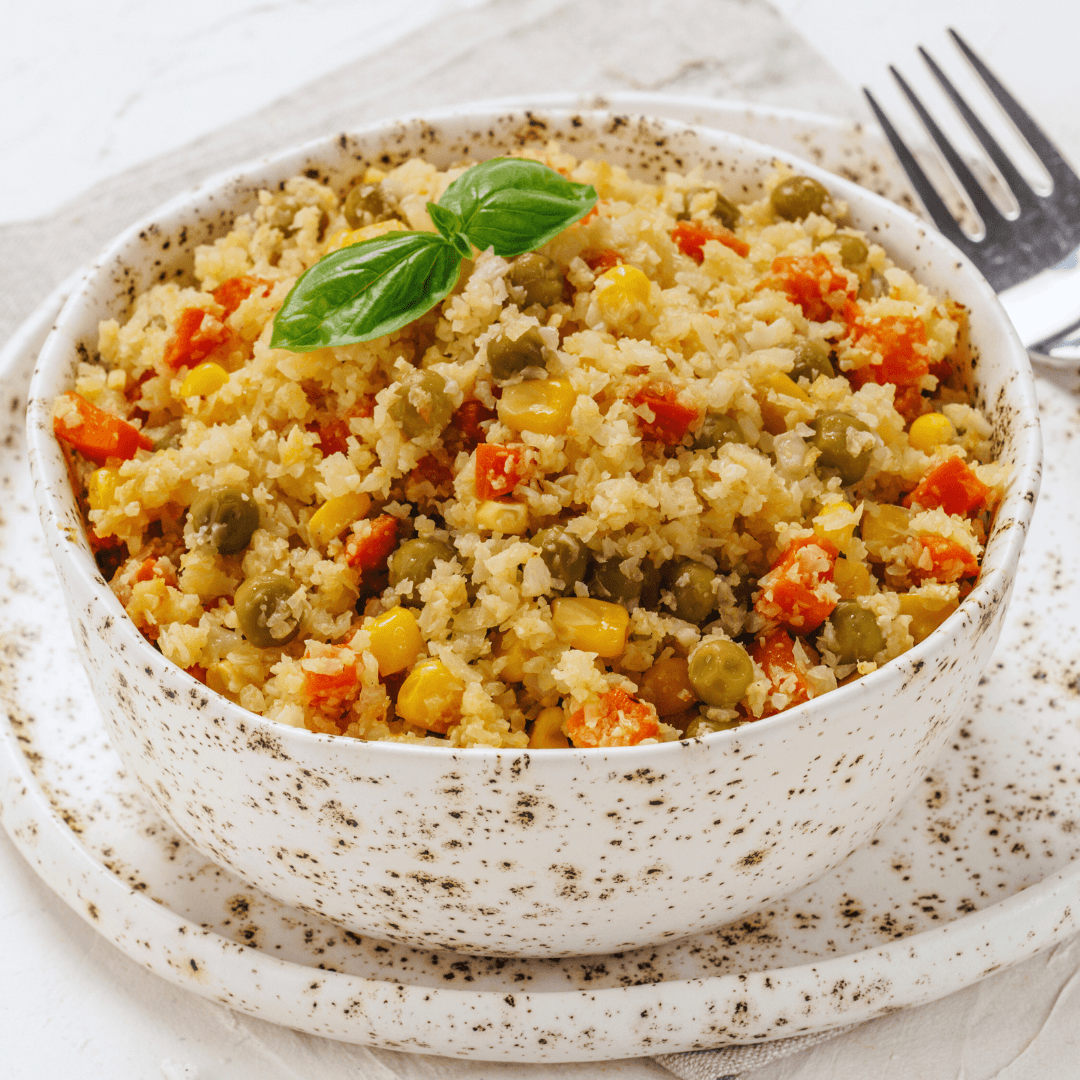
97	434
468	419
333	437
499	469
330	677
798	591
671	420
589	216
615	719
938	558
146	571
775	655
812	282
191	344
951	486
429	469
690	238
371	543
232	293
900	340
599	261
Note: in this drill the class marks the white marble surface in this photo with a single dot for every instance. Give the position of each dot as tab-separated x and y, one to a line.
83	90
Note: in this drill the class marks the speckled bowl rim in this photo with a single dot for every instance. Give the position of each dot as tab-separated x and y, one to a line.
1004	546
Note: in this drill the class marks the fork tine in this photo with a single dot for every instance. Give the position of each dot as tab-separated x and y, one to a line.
1025	196
1066	182
926	191
984	207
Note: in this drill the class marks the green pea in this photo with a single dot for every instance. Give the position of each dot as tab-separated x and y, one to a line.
539	277
262	611
364	205
811	360
796	197
726	212
831	438
700	727
610	582
855	632
693	589
508	358
414	561
720	672
565	556
853	250
226	518
717	429
421	404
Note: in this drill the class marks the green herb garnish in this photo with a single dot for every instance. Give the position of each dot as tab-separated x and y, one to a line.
363	291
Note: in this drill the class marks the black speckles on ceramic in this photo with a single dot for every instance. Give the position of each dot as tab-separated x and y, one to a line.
503	852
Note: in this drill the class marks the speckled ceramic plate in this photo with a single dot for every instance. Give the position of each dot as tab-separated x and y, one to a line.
976	873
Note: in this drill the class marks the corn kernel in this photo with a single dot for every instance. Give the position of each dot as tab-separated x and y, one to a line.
774	413
542	406
348	237
101	486
430	696
853	578
627	288
784	384
836	522
930	431
513	656
505	517
204	379
927	613
547	733
396	641
336	515
884	526
595	626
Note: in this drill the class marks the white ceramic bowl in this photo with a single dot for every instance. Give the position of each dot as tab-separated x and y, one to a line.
544	853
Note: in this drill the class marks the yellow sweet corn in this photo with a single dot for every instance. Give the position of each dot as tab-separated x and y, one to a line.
836	523
547	733
627	288
336	515
930	431
595	626
101	486
348	237
927	613
884	526
204	379
774	413
505	517
542	406
396	641
430	696
513	656
853	578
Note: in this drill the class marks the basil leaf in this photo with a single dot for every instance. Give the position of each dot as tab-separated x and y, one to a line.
515	205
449	225
366	290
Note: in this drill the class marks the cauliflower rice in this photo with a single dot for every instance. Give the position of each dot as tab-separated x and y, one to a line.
621	510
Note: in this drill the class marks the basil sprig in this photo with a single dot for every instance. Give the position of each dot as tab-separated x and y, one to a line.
372	288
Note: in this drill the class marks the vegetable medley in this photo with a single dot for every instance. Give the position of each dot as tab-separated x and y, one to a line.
688	465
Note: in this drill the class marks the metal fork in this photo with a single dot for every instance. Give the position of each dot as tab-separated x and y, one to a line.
1013	248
